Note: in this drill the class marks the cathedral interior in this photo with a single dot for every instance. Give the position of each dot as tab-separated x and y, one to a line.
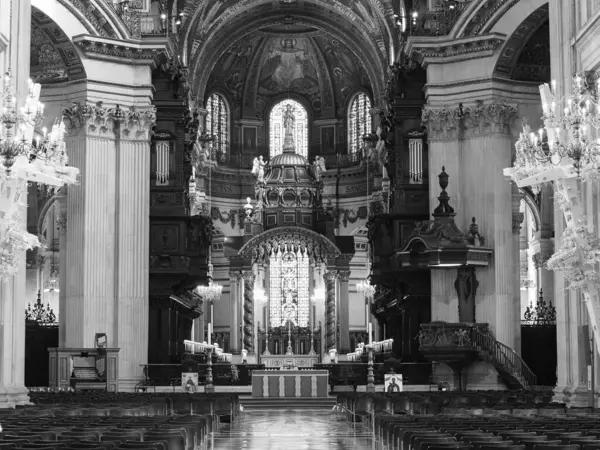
379	206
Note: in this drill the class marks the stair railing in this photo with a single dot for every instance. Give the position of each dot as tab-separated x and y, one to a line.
504	356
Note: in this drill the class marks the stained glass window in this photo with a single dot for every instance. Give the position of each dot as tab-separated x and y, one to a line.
277	129
288	288
359	121
217	123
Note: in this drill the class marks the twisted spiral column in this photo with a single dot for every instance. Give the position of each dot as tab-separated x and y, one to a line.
330	326
249	311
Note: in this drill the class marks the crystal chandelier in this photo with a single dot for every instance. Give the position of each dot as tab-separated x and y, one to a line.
366	288
564	138
210	293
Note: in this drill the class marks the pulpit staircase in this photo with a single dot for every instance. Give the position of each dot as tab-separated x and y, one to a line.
510	366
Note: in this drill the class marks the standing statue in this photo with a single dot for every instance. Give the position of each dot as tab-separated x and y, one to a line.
258	169
289	125
319	167
378	155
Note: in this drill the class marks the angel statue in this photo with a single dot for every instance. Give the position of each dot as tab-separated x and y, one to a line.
258	169
378	155
319	167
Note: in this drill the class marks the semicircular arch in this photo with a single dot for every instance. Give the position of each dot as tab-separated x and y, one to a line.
318	247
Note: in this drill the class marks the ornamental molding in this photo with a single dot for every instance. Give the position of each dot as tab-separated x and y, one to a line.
517	220
93	18
442	50
123	52
481	119
315	245
540	260
61	222
99	120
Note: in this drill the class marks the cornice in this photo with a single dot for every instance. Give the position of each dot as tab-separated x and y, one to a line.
442	50
458	122
128	52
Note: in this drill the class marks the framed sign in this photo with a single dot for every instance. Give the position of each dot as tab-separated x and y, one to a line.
393	382
189	381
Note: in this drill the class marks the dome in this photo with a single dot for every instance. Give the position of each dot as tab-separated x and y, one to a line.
288	159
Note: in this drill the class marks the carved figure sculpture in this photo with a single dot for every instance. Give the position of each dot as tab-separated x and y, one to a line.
258	169
319	167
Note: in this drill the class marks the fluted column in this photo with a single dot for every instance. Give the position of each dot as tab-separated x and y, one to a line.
234	324
248	311
330	322
61	225
133	241
107	255
344	276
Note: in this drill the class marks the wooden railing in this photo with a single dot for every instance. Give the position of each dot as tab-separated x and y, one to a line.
503	356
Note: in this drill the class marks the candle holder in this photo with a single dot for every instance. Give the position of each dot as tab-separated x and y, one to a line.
266	352
312	343
370	372
209	375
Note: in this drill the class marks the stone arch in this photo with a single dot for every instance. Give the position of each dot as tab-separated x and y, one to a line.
318	247
76	18
44	212
531	202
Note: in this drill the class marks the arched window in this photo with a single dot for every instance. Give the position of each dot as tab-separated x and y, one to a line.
288	288
277	129
217	122
359	121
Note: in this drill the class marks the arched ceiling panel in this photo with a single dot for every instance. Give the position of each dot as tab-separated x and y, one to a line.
361	47
53	57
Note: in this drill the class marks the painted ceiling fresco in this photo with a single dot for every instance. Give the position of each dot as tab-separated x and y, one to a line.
267	65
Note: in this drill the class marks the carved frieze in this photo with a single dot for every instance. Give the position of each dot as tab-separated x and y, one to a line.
112	122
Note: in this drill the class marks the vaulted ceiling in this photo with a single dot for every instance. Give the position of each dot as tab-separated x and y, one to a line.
212	29
53	57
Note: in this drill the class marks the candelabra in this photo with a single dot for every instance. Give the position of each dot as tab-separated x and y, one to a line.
209	375
370	372
563	136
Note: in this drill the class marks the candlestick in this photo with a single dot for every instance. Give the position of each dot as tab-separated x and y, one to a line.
370	332
209	340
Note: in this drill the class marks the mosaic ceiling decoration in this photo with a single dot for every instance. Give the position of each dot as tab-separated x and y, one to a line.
365	27
54	59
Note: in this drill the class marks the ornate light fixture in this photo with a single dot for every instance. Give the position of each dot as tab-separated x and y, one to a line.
40	314
366	288
210	293
541	313
25	159
564	137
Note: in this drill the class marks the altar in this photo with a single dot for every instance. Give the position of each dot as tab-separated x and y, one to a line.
290	383
278	361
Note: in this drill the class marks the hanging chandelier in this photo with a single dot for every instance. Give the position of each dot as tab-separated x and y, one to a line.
210	293
564	138
366	288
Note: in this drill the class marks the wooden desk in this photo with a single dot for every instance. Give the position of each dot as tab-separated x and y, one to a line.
290	383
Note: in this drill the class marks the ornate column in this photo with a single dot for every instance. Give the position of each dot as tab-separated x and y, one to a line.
248	277
235	278
517	220
107	271
61	225
344	318
330	310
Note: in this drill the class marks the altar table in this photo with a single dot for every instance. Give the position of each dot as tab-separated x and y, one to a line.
289	360
290	383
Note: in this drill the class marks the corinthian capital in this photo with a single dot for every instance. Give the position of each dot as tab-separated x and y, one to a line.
131	123
443	122
486	118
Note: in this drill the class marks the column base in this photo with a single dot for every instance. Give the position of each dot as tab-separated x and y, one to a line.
13	396
572	397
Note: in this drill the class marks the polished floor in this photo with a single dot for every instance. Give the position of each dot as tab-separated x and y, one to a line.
301	429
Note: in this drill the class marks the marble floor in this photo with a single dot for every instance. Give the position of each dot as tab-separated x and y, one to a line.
301	429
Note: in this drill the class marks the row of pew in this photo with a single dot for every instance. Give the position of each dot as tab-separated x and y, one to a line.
115	421
481	420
